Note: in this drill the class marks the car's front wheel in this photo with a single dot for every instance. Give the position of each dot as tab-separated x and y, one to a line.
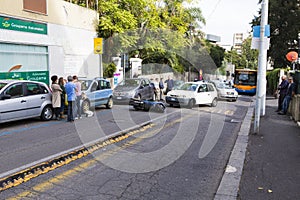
47	113
191	103
214	103
109	104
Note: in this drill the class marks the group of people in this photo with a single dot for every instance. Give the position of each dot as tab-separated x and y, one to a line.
66	90
159	88
287	89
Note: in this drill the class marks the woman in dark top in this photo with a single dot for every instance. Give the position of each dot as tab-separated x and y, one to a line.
61	83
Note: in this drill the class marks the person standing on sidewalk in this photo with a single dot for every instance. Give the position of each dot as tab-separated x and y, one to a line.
283	86
156	89
170	84
161	88
290	93
71	95
61	83
56	99
78	97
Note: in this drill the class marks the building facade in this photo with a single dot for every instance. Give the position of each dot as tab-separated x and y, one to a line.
41	38
238	39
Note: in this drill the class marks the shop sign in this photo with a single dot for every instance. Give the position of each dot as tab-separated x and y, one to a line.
22	25
41	76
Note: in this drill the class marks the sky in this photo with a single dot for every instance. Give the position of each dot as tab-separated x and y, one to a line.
226	17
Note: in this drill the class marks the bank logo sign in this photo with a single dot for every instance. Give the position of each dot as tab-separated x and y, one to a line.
22	25
41	76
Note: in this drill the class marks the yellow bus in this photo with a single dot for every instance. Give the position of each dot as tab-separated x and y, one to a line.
245	81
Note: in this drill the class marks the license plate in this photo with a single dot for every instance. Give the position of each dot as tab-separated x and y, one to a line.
119	97
172	99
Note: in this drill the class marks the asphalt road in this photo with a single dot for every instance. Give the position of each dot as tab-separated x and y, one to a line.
181	155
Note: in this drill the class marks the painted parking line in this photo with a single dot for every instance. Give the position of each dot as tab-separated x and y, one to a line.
41	125
29	128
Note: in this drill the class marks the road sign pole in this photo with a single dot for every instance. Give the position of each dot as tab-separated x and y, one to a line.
100	66
262	67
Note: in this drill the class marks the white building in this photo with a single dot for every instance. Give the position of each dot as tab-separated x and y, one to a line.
46	37
238	39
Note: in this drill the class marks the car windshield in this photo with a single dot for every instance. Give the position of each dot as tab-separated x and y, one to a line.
130	82
223	86
2	85
177	84
85	84
188	87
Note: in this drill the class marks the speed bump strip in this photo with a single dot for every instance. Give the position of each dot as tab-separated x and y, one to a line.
44	167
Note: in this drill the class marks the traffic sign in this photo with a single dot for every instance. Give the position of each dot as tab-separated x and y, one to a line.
98	49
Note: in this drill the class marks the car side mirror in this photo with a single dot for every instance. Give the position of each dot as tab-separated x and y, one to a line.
5	96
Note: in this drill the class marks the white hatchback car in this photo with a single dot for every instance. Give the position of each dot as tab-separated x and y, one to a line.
192	93
24	99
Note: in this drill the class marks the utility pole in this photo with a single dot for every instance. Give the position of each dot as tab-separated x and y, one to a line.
262	68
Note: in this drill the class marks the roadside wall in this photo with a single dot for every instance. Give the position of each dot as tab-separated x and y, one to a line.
294	107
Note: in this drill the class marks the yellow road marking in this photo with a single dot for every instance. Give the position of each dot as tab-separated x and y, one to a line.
46	185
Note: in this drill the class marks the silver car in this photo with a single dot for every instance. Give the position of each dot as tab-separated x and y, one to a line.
24	99
225	91
137	88
95	92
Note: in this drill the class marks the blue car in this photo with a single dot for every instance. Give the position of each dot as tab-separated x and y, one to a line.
95	93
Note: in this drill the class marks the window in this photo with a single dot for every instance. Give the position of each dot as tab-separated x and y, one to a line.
44	90
32	58
33	89
94	86
203	88
210	88
15	91
38	6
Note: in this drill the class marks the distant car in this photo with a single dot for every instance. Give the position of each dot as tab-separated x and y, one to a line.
225	91
95	92
137	88
177	83
192	93
24	99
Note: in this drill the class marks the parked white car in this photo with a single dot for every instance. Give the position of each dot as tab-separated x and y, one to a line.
193	93
24	99
225	91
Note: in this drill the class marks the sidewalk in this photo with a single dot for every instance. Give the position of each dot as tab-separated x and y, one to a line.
272	164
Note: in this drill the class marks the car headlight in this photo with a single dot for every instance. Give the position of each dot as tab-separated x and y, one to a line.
83	96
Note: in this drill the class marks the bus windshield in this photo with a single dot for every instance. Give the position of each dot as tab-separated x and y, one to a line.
245	78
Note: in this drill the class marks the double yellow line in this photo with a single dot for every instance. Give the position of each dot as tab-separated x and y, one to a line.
44	186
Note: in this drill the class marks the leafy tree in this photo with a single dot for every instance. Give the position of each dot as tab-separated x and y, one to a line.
249	55
233	57
109	70
217	54
285	25
158	29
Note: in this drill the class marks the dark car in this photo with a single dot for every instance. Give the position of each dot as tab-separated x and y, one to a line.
137	88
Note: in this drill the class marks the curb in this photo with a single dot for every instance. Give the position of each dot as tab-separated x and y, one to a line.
229	185
26	172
